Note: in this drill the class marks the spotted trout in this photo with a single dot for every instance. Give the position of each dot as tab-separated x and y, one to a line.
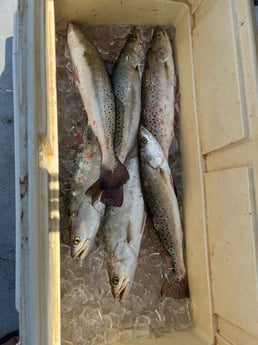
162	206
85	211
96	91
123	233
126	80
158	90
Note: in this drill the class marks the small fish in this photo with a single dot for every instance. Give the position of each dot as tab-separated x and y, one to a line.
96	91
126	80
158	90
161	204
85	211
123	233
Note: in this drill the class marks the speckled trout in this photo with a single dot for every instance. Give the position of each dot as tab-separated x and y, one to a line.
85	211
123	233
126	80
158	90
162	206
96	91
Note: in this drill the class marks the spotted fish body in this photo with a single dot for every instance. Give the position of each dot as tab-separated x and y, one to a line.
158	90
126	80
123	233
96	91
85	212
161	201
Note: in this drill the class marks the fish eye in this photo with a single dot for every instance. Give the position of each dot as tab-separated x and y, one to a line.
115	280
76	240
143	140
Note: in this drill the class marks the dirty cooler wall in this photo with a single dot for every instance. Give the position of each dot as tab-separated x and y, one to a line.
37	190
216	59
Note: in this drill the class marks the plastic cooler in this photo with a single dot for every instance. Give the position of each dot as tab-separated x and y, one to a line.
216	60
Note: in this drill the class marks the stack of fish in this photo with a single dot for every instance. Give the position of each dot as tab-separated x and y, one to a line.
112	186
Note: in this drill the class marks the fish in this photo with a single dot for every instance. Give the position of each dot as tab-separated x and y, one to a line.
126	81
158	90
95	88
86	212
85	225
162	206
123	229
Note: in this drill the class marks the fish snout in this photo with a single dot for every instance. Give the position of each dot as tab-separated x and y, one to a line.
80	252
122	291
70	27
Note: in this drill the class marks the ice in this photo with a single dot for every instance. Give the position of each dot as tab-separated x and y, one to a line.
115	319
126	335
68	342
128	319
106	322
155	259
183	317
98	340
89	313
111	336
142	328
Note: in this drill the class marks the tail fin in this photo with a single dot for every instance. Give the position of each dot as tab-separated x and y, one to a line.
113	178
113	197
175	287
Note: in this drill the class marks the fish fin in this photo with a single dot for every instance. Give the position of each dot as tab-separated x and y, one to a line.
167	178
113	178
114	197
175	287
133	153
173	183
143	222
155	162
173	147
75	77
94	191
90	135
129	232
121	250
167	69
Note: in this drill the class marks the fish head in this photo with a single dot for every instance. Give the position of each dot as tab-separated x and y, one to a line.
135	48
85	225
160	45
150	149
77	41
75	33
121	269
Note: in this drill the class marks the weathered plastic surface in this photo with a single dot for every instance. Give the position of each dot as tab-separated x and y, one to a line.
37	184
216	59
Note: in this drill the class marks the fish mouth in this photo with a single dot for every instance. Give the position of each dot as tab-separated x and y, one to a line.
82	253
124	290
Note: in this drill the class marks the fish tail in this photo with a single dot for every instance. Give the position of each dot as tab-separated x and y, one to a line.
176	287
113	197
114	177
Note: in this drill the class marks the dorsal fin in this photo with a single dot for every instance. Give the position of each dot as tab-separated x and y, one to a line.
129	233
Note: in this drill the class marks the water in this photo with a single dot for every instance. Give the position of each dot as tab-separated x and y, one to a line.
89	313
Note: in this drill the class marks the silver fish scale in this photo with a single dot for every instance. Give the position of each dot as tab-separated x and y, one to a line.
109	113
120	92
158	216
150	120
